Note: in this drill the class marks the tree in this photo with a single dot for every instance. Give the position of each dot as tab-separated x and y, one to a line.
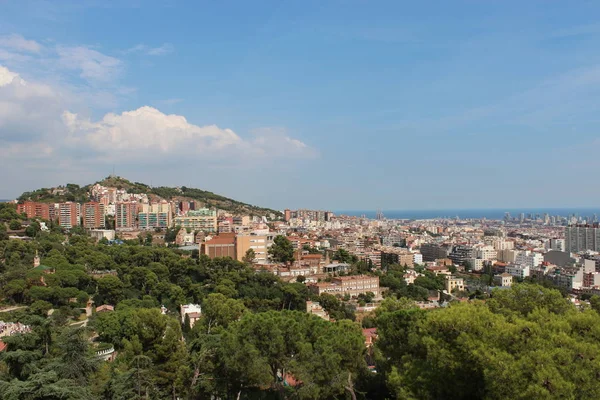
342	256
76	360
249	257
14	225
219	311
110	290
282	250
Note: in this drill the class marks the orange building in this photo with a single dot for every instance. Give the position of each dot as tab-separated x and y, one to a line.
40	210
220	246
93	215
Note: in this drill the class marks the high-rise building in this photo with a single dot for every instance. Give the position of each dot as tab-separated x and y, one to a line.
69	214
582	237
93	215
155	215
125	214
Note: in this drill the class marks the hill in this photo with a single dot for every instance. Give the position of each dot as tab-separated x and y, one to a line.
73	192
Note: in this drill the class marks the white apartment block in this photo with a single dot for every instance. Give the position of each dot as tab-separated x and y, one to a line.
518	271
487	253
529	258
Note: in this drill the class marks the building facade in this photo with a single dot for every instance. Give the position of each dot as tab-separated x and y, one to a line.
69	214
93	215
203	219
581	238
126	214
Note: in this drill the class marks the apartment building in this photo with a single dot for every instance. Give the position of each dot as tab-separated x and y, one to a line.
518	270
126	214
313	307
155	215
486	253
69	214
93	215
529	258
454	283
37	210
203	219
581	238
350	285
433	251
259	243
461	253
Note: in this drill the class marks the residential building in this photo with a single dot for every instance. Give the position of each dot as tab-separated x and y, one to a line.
93	215
203	219
582	237
350	285
69	214
40	210
476	264
557	244
396	255
432	251
155	215
454	283
220	246
259	243
193	311
126	214
99	234
461	253
486	253
518	270
314	308
508	255
504	280
531	259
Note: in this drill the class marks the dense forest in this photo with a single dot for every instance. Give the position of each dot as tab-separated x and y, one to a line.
255	340
73	192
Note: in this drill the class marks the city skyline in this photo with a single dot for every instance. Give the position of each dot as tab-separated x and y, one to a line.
349	106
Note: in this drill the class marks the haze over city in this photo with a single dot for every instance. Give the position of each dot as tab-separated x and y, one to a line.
334	105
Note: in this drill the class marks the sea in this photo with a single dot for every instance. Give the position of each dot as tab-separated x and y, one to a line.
491	213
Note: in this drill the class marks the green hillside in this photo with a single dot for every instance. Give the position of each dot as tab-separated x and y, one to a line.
73	192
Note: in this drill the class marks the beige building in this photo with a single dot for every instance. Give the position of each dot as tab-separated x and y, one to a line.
453	282
508	256
259	243
504	280
315	308
486	253
351	285
155	215
203	219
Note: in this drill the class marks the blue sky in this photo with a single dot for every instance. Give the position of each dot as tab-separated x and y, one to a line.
317	104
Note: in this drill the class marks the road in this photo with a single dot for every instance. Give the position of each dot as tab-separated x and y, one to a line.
11	308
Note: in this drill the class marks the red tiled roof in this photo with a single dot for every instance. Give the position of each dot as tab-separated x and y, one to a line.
2	346
370	332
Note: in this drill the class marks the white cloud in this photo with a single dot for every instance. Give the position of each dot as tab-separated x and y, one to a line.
28	110
19	43
146	133
166	48
92	65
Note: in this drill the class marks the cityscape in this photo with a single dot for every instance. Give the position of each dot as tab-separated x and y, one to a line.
316	200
